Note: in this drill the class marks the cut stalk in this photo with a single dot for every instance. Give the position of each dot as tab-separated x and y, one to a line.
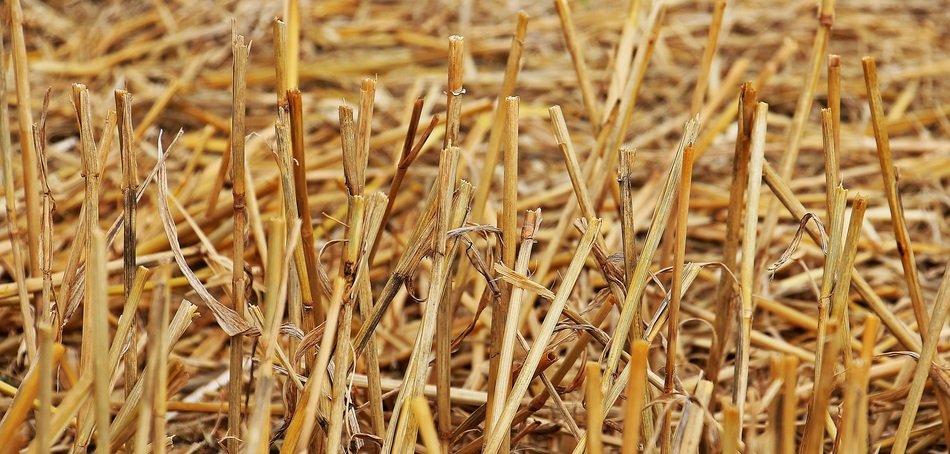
726	292
46	365
402	427
280	60
691	426
47	311
420	408
509	212
297	436
15	416
580	64
155	352
364	123
924	365
826	17
630	324
834	98
840	296
832	163
595	415
529	229
833	256
342	356
837	338
901	234
854	434
9	192
900	330
90	173
239	52
509	238
862	431
628	228
789	405
747	274
628	100
490	161
813	439
98	303
636	389
291	205
709	52
564	142
730	429
494	439
302	196
453	102
850	433
123	106
682	214
274	303
27	146
373	225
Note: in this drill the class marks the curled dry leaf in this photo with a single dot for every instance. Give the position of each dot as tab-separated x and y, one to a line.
228	319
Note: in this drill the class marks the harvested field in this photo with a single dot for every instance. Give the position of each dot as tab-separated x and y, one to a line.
475	226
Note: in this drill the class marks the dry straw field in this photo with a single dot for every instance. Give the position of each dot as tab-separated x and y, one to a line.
460	226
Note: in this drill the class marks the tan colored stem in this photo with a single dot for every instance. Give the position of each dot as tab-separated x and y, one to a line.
28	147
490	161
595	415
580	64
238	279
636	389
494	439
712	40
630	324
9	188
97	298
806	96
747	270
420	407
924	365
19	409
726	291
302	196
123	107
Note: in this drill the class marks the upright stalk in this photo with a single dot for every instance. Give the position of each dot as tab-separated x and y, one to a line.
826	18
239	52
747	274
27	147
9	192
130	187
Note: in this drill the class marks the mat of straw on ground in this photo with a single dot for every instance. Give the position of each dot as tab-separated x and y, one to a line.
475	226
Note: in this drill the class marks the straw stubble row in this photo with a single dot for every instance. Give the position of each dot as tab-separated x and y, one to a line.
601	323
